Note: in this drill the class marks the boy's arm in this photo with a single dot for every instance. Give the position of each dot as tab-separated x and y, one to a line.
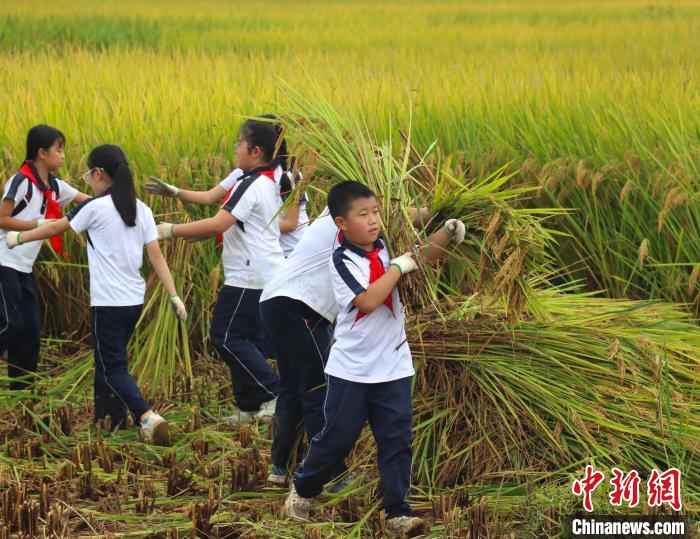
451	232
419	216
377	292
51	229
203	228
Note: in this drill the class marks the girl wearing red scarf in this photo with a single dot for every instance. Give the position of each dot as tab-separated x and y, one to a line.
31	198
251	253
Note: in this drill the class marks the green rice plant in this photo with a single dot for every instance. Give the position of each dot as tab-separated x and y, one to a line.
630	227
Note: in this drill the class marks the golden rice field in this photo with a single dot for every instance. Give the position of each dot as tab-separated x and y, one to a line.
567	135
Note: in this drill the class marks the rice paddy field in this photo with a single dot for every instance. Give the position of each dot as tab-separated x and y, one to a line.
564	332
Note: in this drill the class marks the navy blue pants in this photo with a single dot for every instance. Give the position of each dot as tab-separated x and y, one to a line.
348	406
302	339
238	335
19	325
115	389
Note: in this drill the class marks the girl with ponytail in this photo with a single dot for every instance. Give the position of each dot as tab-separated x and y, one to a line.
293	223
117	226
251	253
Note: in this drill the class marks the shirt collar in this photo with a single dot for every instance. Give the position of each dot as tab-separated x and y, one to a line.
344	242
257	170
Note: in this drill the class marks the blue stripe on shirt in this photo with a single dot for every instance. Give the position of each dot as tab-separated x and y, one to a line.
353	284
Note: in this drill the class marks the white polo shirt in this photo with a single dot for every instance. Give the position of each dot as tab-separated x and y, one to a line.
115	251
252	251
288	240
372	348
305	275
28	206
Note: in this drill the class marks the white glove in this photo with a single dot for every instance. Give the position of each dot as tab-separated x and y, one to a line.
405	263
165	231
42	222
12	239
159	187
178	307
456	229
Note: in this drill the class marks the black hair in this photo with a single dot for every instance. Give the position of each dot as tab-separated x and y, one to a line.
341	197
269	137
42	136
113	160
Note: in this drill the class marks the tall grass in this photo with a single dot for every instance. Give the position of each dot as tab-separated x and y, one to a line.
543	86
566	118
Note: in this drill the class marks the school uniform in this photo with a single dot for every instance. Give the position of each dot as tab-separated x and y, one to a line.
19	307
251	254
369	372
298	309
117	290
288	240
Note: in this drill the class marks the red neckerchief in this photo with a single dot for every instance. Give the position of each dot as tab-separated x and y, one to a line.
376	270
53	208
266	171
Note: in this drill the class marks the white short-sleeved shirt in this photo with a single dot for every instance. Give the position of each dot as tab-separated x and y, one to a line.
29	206
305	275
115	251
252	251
372	348
288	240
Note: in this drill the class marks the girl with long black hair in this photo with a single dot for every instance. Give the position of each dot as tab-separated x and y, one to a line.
117	226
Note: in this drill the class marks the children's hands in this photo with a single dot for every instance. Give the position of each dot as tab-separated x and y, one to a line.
178	307
12	239
159	187
165	231
456	230
405	263
42	222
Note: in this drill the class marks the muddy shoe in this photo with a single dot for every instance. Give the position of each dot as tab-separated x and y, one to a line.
239	418
278	477
155	430
267	411
297	507
405	526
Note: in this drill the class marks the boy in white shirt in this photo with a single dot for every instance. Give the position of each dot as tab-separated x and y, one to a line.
369	368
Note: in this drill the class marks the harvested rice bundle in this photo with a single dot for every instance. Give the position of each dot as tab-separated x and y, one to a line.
506	245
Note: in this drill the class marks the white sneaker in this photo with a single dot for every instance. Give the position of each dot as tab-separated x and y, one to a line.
405	526
155	430
239	417
295	506
278	477
267	410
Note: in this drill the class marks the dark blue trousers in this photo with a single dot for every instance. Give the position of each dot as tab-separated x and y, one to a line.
19	325
238	335
302	339
348	406
115	389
